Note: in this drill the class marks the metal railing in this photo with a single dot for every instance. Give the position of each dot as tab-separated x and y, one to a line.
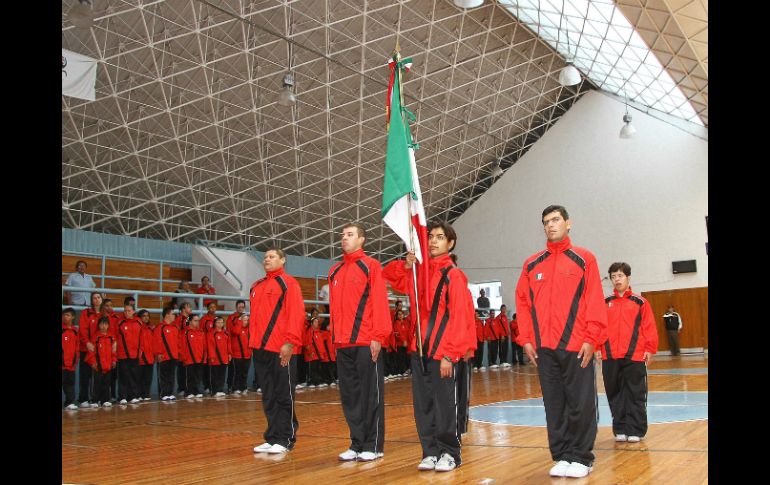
160	262
227	269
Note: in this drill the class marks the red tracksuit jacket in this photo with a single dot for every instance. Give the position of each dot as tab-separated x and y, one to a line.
230	321
501	326
401	332
202	291
481	334
182	321
319	344
207	322
239	341
87	327
514	330
128	338
147	345
454	302
329	345
167	342
631	329
559	299
218	351
70	343
307	344
277	313
194	346
102	356
358	302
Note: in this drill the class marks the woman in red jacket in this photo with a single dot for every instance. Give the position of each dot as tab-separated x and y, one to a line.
89	319
167	353
277	322
129	329
193	356
69	357
402	334
446	331
102	359
146	353
239	345
218	353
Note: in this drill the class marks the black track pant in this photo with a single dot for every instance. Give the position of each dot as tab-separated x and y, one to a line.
278	397
478	356
166	370
217	378
194	379
230	375
181	377
86	375
114	382
403	360
463	395
362	392
673	341
206	376
101	387
436	405
625	382
145	379
503	345
128	382
570	400
518	353
302	368
68	386
493	346
241	373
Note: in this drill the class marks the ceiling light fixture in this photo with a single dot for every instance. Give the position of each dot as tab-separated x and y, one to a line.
81	14
468	3
628	130
569	75
287	97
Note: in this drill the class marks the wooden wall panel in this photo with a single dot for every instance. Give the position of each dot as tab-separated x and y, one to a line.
692	306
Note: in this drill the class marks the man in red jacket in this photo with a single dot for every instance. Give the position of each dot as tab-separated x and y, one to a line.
167	353
632	340
503	330
146	353
102	359
240	307
182	321
562	321
129	329
69	357
193	352
358	308
277	325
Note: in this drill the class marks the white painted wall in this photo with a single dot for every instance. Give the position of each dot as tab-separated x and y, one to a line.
641	200
245	267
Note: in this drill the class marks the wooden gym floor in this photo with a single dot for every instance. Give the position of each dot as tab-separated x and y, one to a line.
211	441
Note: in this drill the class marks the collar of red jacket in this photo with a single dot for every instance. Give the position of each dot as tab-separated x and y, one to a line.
440	262
271	275
354	256
624	295
559	247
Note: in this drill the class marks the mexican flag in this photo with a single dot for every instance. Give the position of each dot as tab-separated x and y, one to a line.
402	207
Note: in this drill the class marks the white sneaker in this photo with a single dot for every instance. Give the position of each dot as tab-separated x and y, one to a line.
427	463
94	405
123	401
494	366
191	396
107	405
237	393
506	364
333	384
263	448
71	407
219	394
634	439
323	385
348	455
559	469
368	456
276	448
578	470
621	437
199	396
164	398
147	398
311	386
172	398
475	369
136	400
85	404
259	391
483	369
245	392
446	463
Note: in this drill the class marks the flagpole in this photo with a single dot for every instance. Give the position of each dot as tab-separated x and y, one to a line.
414	280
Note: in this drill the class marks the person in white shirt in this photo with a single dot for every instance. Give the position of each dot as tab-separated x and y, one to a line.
81	279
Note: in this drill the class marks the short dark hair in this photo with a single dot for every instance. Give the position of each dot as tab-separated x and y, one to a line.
240	301
128	299
555	208
449	232
104	302
104	320
503	306
185	304
358	226
142	313
167	310
624	267
205	277
133	307
69	310
78	263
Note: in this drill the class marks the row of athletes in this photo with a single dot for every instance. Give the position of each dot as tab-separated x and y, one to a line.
134	344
